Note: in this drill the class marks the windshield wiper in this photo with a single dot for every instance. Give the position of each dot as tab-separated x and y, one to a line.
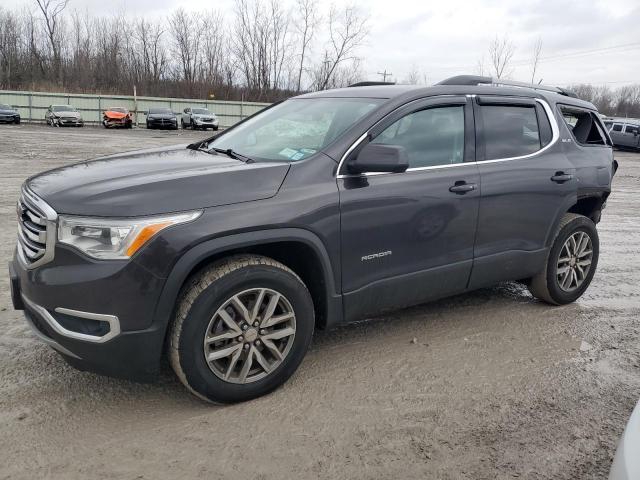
235	155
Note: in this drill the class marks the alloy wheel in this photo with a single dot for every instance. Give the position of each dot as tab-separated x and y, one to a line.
574	261
250	335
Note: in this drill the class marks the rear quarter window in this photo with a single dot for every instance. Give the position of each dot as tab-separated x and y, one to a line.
584	125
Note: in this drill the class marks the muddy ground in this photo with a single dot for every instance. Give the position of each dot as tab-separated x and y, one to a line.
497	385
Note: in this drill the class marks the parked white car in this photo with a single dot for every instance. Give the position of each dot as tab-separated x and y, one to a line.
195	118
626	463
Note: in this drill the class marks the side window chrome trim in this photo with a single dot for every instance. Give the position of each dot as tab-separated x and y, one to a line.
555	131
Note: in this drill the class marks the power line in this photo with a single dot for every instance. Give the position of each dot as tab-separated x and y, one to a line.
626	47
520	63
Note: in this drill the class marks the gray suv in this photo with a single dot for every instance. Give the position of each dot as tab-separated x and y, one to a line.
624	132
226	254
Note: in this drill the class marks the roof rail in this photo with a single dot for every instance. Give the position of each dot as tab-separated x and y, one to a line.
369	84
480	80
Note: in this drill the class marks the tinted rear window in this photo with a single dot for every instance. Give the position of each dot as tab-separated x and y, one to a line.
509	131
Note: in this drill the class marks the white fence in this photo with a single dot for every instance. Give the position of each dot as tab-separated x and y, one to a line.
33	105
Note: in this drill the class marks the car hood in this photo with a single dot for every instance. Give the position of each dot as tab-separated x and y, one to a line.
156	181
117	115
7	112
67	114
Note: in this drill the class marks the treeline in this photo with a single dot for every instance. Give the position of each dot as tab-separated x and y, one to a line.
262	51
620	102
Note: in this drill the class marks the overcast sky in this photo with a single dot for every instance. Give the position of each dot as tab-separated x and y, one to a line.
590	41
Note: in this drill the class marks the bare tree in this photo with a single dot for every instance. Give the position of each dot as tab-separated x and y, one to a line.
537	52
305	26
348	30
280	45
52	15
10	35
481	67
413	77
500	53
185	29
213	49
261	44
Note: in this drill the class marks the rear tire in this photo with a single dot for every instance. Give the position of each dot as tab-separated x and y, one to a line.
208	308
571	263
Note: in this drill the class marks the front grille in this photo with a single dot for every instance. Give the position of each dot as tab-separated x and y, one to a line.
36	230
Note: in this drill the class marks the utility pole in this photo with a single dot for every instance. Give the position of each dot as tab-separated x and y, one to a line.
385	75
135	104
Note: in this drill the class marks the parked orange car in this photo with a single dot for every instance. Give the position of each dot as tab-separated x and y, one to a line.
117	117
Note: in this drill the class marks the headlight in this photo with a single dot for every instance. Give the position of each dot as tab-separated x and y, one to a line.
115	238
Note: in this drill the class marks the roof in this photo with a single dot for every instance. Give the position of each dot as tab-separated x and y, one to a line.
411	92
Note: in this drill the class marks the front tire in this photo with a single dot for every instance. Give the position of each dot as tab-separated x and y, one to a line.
571	262
241	329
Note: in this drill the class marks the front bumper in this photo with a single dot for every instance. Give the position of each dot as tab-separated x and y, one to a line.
98	315
116	122
162	123
206	123
69	122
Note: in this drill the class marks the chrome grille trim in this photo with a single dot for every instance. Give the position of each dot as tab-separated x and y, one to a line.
36	229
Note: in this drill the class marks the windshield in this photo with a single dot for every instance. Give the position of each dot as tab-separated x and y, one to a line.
118	109
63	108
160	111
295	129
201	111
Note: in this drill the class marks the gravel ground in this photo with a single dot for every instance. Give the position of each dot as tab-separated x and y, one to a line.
496	384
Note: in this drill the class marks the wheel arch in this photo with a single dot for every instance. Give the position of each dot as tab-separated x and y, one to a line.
587	204
298	249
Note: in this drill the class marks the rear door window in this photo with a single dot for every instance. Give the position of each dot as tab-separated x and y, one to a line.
511	131
617	127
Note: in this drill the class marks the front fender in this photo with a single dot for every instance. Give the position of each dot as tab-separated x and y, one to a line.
194	257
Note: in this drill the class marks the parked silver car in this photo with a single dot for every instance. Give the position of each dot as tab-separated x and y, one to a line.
195	118
625	133
626	463
63	116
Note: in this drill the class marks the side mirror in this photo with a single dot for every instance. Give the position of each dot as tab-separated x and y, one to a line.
375	157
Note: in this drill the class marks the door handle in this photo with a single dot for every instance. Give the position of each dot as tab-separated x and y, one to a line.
461	187
561	177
